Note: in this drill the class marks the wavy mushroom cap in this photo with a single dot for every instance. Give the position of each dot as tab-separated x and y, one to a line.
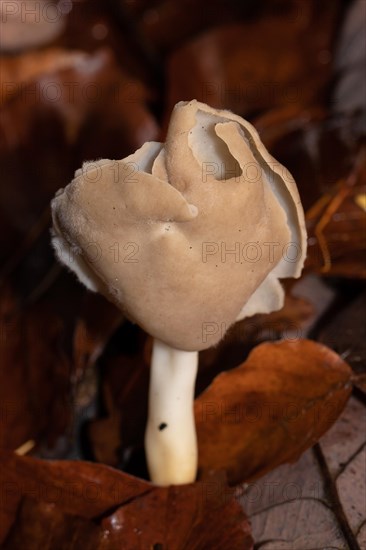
188	236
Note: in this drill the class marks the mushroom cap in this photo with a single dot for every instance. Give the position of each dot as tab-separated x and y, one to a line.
188	236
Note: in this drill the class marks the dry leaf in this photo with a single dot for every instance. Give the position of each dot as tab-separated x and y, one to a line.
45	349
124	383
276	60
296	312
97	321
270	409
336	226
242	337
345	333
43	525
35	373
78	488
169	23
290	510
319	502
327	159
344	452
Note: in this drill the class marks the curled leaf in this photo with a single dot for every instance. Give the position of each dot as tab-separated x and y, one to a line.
270	409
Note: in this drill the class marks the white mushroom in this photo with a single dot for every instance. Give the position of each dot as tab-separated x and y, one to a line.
203	227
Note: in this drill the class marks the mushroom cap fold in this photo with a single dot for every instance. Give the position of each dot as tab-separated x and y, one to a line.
188	236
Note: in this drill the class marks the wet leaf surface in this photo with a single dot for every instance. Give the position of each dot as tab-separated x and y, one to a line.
64	504
270	409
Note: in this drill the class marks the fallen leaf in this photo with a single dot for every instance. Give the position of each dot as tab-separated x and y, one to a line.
48	504
35	373
192	517
319	502
343	450
78	488
124	382
82	108
345	333
159	24
327	160
259	64
337	231
242	337
96	322
43	525
289	509
270	409
105	433
290	319
18	70
349	90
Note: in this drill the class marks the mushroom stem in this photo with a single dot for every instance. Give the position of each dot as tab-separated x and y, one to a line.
170	438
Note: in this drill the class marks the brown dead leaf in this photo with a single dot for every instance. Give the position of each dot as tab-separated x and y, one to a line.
43	525
188	517
18	70
169	23
78	488
345	333
319	502
96	322
78	89
79	107
270	409
241	338
327	159
125	382
45	349
276	60
290	319
336	226
106	433
60	503
35	373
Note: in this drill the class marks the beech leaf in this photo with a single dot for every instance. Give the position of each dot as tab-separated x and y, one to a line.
319	502
62	504
271	409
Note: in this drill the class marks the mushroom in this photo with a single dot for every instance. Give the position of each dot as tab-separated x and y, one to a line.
186	238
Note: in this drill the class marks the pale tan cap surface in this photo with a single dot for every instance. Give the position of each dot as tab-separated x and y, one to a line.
188	236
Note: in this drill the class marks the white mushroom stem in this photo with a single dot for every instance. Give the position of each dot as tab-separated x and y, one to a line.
170	438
